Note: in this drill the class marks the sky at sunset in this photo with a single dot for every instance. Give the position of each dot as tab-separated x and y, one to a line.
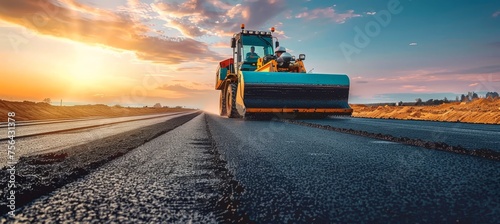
141	52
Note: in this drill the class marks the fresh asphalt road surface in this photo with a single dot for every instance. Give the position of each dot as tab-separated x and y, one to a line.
288	172
470	136
293	172
59	141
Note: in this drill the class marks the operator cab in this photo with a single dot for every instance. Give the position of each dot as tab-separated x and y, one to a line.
250	58
248	46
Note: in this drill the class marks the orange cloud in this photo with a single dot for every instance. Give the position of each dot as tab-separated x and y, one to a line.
188	30
71	20
221	44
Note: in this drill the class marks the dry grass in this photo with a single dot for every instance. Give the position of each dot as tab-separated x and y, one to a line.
484	111
41	111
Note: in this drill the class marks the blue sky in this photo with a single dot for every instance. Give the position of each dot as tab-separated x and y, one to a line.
133	52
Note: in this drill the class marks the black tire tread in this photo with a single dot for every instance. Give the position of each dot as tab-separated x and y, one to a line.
222	104
233	112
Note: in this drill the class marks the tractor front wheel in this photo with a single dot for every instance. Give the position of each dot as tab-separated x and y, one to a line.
231	100
222	104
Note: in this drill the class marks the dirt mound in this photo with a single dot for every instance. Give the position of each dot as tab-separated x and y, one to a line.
42	111
483	111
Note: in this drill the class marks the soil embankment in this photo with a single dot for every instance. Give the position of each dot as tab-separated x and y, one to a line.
26	111
481	111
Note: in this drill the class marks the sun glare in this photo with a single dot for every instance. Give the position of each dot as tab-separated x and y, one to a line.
87	70
89	66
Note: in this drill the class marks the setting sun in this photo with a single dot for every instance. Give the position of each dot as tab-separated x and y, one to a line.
87	68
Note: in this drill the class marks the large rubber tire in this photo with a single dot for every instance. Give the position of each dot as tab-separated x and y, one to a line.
231	110
222	104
